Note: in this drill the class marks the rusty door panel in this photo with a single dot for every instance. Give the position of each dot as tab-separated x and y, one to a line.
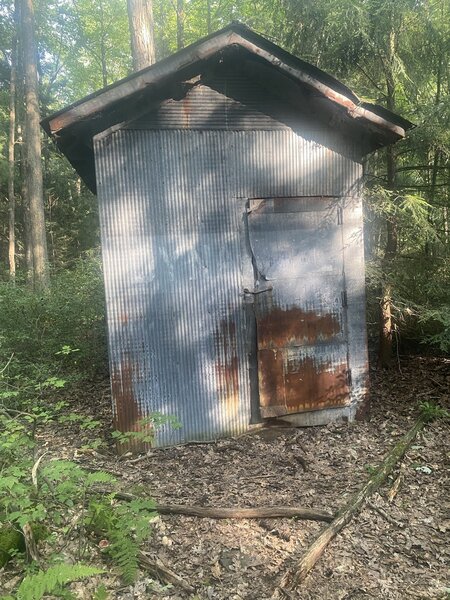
299	304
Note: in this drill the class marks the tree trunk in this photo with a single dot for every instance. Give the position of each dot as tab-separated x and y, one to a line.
386	324
208	16
21	116
102	47
180	24
140	20
11	162
35	189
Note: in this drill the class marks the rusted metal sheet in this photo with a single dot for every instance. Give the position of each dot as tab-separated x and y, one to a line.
227	367
173	207
301	333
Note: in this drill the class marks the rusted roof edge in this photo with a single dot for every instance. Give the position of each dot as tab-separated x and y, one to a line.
234	34
151	76
354	109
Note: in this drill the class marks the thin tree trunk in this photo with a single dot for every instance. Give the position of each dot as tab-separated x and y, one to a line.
208	16
140	20
102	47
386	323
35	189
436	153
21	140
180	24
11	163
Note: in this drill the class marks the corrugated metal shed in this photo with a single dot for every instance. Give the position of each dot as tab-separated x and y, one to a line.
232	238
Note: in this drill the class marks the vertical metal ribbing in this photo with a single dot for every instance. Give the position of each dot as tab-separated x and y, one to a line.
171	205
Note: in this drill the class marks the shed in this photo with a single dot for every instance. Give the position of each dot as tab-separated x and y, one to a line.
229	181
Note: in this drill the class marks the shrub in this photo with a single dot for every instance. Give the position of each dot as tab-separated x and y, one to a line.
60	332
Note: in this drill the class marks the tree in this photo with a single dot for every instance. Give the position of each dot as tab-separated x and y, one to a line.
35	189
180	24
11	157
140	19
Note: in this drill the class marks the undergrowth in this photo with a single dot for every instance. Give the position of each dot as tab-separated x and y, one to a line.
63	505
50	343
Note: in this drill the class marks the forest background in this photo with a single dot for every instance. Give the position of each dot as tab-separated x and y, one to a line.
392	52
52	316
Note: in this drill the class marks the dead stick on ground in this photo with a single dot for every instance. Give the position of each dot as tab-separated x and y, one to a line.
292	578
385	515
164	574
264	512
396	486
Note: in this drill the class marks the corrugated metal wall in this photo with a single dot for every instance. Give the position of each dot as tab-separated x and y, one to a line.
172	207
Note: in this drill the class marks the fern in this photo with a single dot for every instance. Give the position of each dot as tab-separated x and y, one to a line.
34	587
100	593
124	551
126	526
99	477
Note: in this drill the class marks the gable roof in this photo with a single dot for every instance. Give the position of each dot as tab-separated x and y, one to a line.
74	127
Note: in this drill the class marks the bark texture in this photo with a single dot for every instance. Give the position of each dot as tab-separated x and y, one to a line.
264	512
140	19
35	189
11	164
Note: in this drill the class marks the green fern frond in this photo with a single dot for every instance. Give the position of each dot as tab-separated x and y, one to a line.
99	477
34	587
100	593
124	551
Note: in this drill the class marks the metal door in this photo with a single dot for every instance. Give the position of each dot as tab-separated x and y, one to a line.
300	303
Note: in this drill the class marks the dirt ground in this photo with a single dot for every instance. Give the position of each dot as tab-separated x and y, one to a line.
399	552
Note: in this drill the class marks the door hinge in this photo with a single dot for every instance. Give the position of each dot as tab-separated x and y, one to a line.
344	299
340	215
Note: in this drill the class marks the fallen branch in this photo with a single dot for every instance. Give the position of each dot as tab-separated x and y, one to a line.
292	578
395	487
264	512
35	468
157	568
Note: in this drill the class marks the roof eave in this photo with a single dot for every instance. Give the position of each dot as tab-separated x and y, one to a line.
189	58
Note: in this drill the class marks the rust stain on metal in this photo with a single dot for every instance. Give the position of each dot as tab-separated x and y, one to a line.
127	412
316	386
227	367
186	104
289	381
313	387
271	376
280	327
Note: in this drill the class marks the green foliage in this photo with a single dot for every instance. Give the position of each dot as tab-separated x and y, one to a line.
431	411
146	428
47	338
35	587
125	526
437	322
60	489
11	543
100	593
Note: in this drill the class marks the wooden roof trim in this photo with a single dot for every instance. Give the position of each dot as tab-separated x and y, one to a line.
189	58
